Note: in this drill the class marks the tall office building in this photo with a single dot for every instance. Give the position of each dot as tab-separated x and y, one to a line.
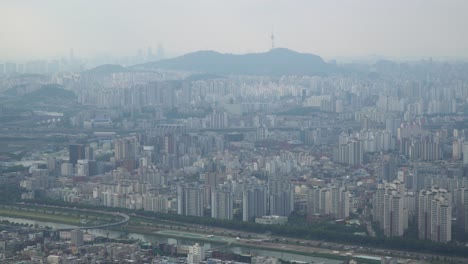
221	204
189	200
76	152
254	203
435	215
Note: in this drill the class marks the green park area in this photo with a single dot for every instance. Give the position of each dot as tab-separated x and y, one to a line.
55	215
39	216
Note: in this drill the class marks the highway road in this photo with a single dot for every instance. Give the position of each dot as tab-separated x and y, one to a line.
288	243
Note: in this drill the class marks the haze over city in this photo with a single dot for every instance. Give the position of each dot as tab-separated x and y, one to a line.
332	29
233	132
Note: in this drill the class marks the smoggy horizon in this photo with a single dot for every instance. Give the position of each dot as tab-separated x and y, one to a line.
331	29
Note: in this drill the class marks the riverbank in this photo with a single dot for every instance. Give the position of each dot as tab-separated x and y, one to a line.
284	248
41	217
73	217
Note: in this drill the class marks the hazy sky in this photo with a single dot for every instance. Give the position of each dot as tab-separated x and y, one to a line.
330	28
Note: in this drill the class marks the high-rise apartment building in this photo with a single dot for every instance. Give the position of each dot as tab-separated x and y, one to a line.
254	203
435	215
125	148
282	202
189	200
221	204
329	201
319	201
196	254
339	208
389	207
461	207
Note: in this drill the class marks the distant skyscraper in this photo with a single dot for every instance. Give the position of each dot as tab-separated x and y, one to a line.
149	53
72	55
76	152
125	148
10	68
161	54
465	153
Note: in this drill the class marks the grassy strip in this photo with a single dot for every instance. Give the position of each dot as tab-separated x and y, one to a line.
58	209
137	219
40	217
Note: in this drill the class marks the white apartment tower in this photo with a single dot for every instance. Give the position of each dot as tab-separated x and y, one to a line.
435	215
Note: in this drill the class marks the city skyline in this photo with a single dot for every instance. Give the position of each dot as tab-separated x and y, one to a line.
197	131
331	29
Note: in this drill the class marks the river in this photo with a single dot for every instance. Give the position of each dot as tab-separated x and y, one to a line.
160	239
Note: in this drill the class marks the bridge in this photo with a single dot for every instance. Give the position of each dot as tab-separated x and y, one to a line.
125	217
121	222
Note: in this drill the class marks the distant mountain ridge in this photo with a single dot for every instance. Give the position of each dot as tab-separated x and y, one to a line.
279	61
106	69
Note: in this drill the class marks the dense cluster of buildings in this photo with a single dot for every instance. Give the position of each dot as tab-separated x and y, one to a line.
392	151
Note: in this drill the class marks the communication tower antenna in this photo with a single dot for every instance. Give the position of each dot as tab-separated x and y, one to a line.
272	40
